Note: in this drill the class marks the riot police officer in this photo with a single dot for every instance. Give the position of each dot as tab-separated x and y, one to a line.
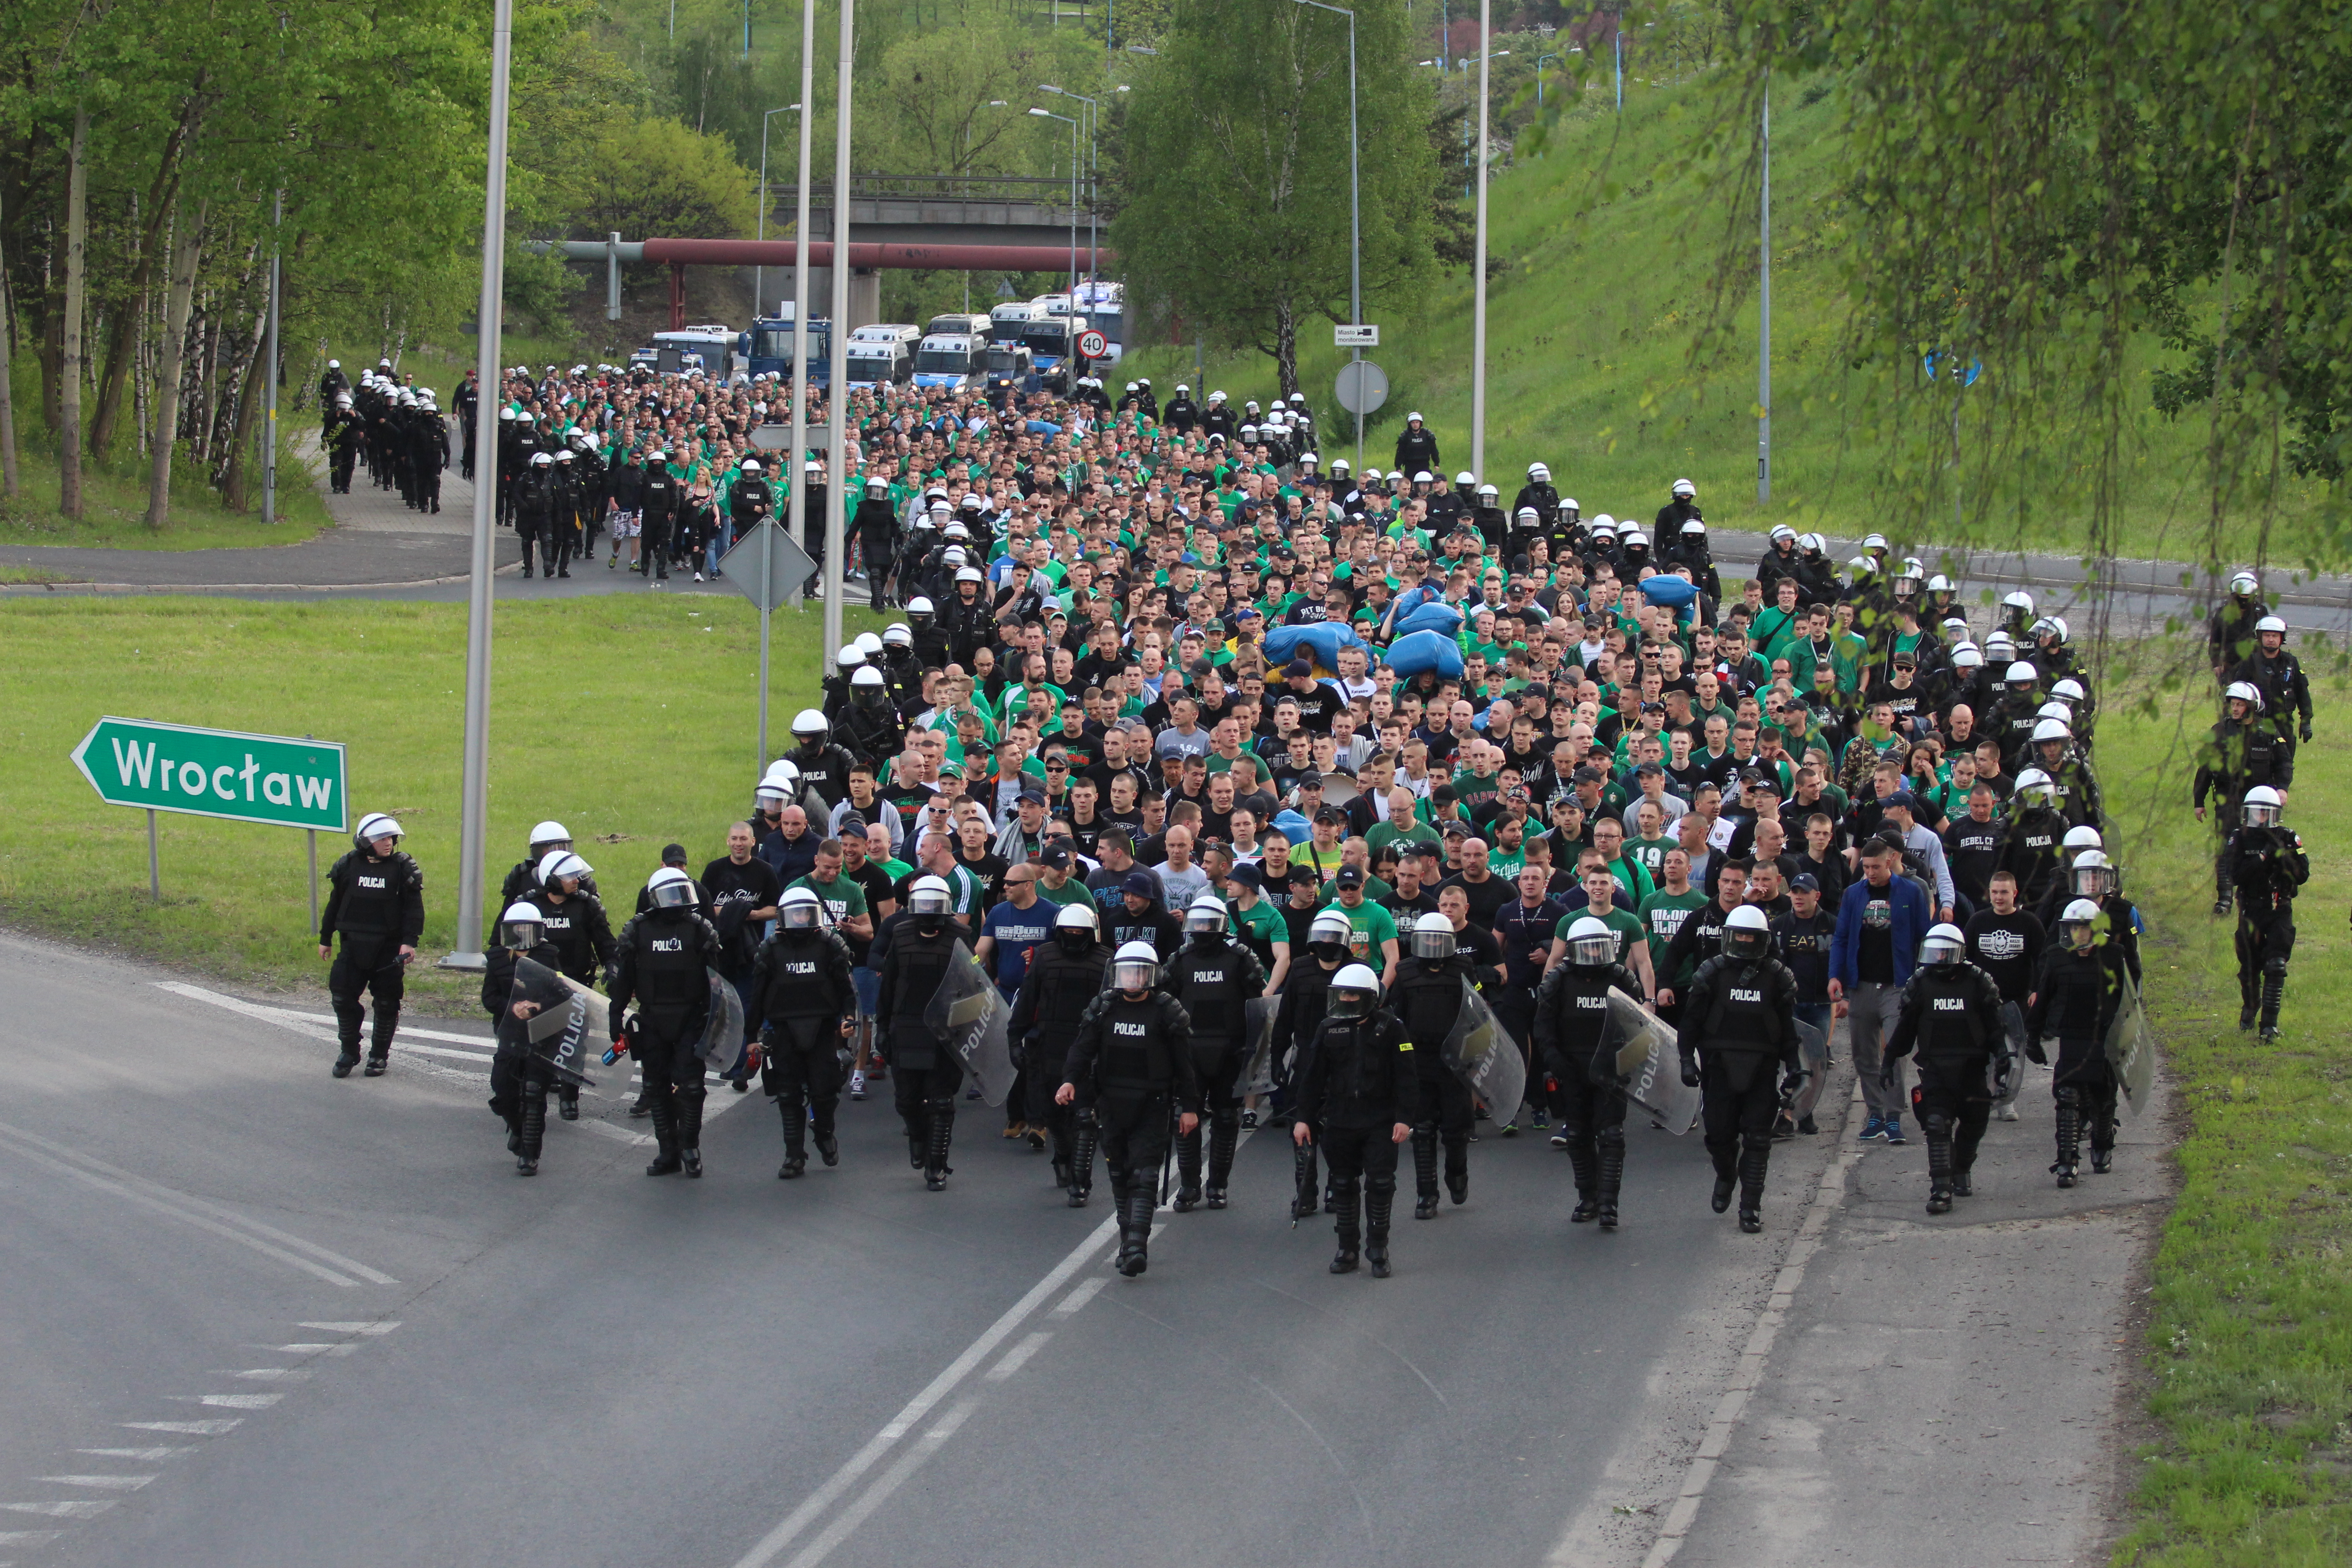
931	641
523	879
518	1078
1215	978
2075	997
878	538
870	721
665	958
1063	978
534	509
1306	994
1130	1064
924	1072
2034	841
376	903
1428	1002
1575	1045
581	933
1950	1010
2240	752
1739	1015
823	766
1360	1095
2278	676
2267	867
807	1001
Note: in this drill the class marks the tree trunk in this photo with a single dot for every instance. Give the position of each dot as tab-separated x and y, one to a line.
1286	347
11	483
119	343
188	246
77	284
249	399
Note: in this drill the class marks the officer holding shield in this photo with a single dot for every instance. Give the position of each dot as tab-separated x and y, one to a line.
1215	978
1428	1002
1576	1047
1064	976
518	1079
924	1072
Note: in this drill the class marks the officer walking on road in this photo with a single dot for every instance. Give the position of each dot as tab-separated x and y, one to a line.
925	1075
1428	1002
1215	978
2076	998
1306	996
1576	1047
808	1003
1064	976
376	903
1739	1018
1360	1095
1131	1066
581	933
666	954
519	1078
1951	1012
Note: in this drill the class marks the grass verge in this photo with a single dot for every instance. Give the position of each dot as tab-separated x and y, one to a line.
2250	1356
114	508
631	720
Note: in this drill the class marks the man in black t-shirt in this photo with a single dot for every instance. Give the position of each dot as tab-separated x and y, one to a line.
2006	943
744	892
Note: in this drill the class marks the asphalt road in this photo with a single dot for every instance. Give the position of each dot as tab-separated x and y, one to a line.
260	1316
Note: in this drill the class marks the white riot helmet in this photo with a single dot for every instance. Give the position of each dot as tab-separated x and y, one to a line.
2244	583
1694	528
898	634
2051	730
374	826
2269	623
750	464
800	910
1684	489
1999	647
1527	514
2022	674
877	486
522	926
1939	583
1330	928
2245	691
2034	785
548	835
1465	478
919	605
1355	992
1075	928
866	678
2094	876
811	727
1968	656
2080	838
1942	944
2021	602
2079	923
929	901
1205	915
868	644
1135	967
2261	807
2069	690
969	575
558	866
2053	708
671	888
1747	933
1432	938
1591	943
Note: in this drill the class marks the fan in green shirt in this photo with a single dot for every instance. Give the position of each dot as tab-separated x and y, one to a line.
1663	914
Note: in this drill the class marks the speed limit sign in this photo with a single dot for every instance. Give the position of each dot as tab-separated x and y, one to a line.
1092	344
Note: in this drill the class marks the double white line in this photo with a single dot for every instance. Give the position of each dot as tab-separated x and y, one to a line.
267	1239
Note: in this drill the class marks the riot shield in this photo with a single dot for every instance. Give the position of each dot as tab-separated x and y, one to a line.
1256	1075
969	1014
568	1016
2131	1051
1657	1084
2005	1091
723	1033
1813	1050
1636	1030
1481	1054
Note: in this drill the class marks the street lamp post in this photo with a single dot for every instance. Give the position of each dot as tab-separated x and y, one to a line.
760	273
1355	219
1478	293
837	399
1070	120
1539	61
1764	333
1094	242
474	808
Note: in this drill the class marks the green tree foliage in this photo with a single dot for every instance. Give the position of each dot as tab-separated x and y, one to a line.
1234	185
652	176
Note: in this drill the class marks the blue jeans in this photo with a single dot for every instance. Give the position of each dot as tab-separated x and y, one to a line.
870	989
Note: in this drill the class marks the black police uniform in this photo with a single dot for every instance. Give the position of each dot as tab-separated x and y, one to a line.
664	964
659	497
1359	1084
924	1074
1739	1017
1306	996
581	934
1054	993
519	1077
2076	998
801	983
2236	756
2032	850
1951	1013
877	541
2267	867
1215	978
376	906
1131	1069
1428	1002
824	768
1576	1047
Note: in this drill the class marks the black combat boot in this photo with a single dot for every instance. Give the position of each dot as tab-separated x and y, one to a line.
1225	1132
1584	1157
1188	1169
689	1128
1612	1175
534	1129
1135	1231
1939	1166
2273	993
1082	1160
1344	1262
567	1102
1302	1182
1380	1200
795	1137
2070	1142
387	1019
1424	1172
659	1108
1755	1160
936	1169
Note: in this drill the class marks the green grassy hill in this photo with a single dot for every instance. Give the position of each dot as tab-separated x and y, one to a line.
1589	334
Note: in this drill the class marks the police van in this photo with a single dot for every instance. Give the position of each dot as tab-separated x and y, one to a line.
957	324
952	360
713	348
872	363
1052	341
1007	322
767	348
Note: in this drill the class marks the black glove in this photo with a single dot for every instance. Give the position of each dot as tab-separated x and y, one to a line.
1792	1082
2306	731
1887	1075
1690	1070
2034	1053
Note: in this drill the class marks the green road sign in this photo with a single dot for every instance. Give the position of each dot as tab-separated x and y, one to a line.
270	779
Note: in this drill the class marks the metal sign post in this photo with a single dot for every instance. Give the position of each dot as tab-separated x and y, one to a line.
769	569
156	869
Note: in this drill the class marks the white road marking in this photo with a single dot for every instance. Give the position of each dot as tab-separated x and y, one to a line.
1088	1289
384	1327
60	1509
1759	1349
193	1210
267	1374
307	1350
99	1483
28	1537
773	1545
857	1513
184	1428
236	1401
1018	1356
133	1453
308	1023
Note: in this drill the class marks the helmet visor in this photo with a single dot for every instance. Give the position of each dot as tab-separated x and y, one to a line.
803	917
2094	882
1746	941
2260	814
927	901
523	933
1350	1003
676	895
1134	974
1434	941
1592	951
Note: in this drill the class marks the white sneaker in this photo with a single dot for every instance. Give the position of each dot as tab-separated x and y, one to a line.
698	576
858	1085
2005	1113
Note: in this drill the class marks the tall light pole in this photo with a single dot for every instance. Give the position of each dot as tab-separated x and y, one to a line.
1355	219
760	273
1094	243
837	397
1072	122
1539	61
1764	333
1478	295
474	809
